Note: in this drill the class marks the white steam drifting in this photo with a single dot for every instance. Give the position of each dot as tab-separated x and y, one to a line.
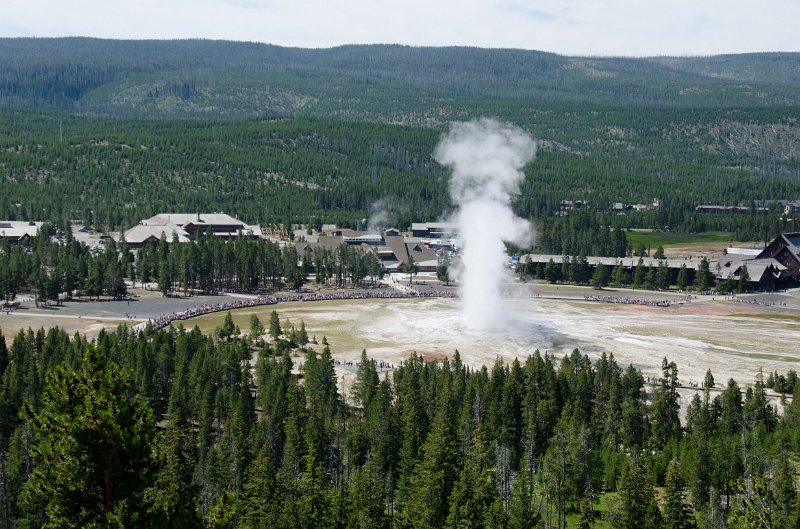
487	158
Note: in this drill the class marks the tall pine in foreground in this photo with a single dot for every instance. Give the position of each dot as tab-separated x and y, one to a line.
92	462
677	513
636	506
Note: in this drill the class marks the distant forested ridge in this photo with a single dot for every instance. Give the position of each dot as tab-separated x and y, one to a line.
219	78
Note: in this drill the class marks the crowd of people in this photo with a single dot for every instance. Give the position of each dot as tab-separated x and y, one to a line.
756	301
625	300
379	364
165	319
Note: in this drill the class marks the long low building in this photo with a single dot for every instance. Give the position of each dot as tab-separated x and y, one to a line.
16	231
775	266
626	262
434	230
186	227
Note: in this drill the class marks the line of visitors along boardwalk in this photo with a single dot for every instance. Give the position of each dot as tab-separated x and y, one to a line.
165	319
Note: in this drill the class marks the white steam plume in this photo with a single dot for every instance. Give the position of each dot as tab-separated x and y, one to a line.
487	158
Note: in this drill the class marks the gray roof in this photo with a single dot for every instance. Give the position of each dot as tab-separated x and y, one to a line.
141	233
744	251
330	241
174	223
449	226
12	229
628	262
208	219
756	268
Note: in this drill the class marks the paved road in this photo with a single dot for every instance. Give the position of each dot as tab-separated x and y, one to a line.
146	307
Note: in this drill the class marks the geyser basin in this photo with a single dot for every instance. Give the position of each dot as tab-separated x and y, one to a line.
698	336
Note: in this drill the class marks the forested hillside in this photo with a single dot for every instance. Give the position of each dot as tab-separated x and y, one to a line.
112	173
220	79
341	134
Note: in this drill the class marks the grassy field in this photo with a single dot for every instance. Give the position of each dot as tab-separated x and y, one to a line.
666	239
601	509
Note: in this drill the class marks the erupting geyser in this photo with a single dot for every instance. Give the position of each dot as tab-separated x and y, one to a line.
487	158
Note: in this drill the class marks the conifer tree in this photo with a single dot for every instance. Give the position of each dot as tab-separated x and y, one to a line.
366	382
228	328
585	517
313	505
433	479
274	325
636	506
677	513
302	335
744	280
92	461
683	278
259	506
368	495
600	276
639	274
174	495
256	328
703	279
620	275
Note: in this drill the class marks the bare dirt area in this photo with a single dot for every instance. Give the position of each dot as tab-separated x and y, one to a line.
11	324
709	249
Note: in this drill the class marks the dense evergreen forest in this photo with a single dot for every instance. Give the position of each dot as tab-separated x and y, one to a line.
380	82
111	173
282	135
55	271
177	429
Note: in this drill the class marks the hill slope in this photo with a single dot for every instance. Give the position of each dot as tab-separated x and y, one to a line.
388	83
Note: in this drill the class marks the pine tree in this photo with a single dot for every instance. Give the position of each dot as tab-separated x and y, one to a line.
410	268
785	494
600	277
620	275
473	494
228	328
366	382
256	328
433	479
302	335
703	280
92	462
677	513
174	495
274	325
636	506
639	274
665	410
586	516
313	506
683	278
368	497
662	276
744	280
552	272
259	505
